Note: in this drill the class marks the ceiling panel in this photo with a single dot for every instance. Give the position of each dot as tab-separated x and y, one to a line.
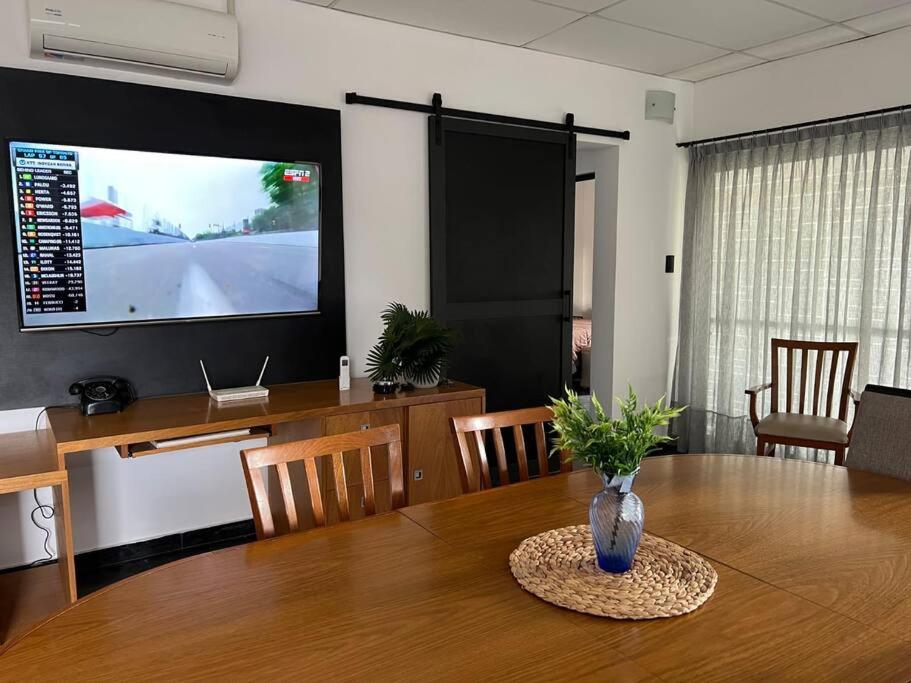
609	42
732	24
587	6
686	39
513	22
214	5
839	10
886	20
806	42
716	67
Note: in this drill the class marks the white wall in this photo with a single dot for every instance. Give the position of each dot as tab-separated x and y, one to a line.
602	158
583	246
845	79
309	55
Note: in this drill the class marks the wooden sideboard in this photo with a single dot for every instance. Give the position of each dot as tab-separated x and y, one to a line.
292	411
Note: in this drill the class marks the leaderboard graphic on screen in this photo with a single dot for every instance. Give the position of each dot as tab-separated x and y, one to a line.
110	236
50	237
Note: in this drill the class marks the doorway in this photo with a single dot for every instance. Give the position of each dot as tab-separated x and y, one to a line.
583	265
598	169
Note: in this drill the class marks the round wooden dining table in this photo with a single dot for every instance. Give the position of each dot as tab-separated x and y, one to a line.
814	567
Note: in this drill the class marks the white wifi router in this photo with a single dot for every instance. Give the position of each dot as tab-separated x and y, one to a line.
238	393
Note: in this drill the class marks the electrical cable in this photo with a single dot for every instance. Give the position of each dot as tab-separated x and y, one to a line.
109	333
46	511
38	417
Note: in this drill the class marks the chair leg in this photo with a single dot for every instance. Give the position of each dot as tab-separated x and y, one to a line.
760	446
840	456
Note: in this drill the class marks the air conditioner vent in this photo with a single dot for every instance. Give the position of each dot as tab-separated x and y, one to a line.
137	33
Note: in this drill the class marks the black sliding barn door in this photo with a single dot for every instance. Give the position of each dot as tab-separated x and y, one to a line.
501	243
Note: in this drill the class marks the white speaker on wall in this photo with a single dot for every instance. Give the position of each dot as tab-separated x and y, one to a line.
660	105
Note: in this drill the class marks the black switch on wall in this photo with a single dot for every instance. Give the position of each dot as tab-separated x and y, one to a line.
669	263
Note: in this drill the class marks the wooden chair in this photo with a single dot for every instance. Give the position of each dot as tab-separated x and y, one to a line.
801	423
256	459
478	425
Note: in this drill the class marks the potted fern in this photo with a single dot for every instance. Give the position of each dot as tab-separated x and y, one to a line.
614	449
413	348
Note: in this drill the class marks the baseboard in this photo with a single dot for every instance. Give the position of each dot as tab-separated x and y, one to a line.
133	557
199	540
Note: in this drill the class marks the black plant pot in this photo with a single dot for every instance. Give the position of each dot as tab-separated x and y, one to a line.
385	386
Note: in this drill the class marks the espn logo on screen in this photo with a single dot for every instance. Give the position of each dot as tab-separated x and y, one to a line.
296	175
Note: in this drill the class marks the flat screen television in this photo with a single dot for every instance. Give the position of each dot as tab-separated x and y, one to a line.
111	237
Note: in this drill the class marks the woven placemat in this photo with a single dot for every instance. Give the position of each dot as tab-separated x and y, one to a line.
559	566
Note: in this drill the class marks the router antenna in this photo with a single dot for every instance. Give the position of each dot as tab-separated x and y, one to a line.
261	372
208	386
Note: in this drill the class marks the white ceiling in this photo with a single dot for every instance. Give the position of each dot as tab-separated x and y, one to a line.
687	39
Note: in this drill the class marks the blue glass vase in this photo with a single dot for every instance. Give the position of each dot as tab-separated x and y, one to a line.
616	517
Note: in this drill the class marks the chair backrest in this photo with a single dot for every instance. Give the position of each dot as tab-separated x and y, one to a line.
881	440
833	364
476	427
256	460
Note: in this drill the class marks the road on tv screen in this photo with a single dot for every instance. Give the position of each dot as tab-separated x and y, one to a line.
243	275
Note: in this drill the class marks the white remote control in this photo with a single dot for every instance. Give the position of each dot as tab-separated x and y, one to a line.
344	373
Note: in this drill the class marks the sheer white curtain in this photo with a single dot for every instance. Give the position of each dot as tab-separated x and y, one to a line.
800	235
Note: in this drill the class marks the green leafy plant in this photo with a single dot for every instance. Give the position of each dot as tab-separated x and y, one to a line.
610	446
412	346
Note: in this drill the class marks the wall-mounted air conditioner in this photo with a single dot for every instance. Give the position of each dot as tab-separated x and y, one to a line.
153	34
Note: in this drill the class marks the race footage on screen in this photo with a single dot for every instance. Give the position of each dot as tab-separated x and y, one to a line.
108	236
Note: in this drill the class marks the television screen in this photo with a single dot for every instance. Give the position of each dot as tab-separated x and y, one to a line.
114	237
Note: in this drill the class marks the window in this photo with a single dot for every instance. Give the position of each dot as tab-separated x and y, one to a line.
802	239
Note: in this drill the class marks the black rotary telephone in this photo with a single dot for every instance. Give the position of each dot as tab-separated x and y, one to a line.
100	395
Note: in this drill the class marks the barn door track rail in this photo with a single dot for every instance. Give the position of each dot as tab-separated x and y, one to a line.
436	108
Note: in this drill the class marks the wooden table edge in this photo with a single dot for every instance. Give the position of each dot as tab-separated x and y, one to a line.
27	482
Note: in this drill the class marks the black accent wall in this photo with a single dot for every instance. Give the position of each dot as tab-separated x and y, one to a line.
36	368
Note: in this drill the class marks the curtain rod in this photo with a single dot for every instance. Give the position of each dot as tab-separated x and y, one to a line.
795	126
568	126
